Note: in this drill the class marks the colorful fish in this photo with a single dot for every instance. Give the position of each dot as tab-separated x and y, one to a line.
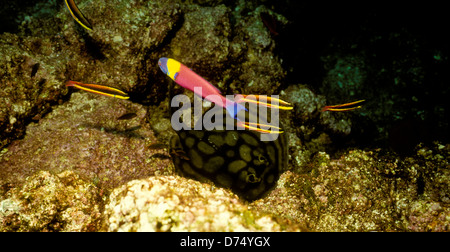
99	89
77	15
188	79
185	77
235	159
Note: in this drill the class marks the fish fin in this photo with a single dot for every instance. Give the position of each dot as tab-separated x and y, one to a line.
264	100
257	127
99	89
344	107
234	108
77	15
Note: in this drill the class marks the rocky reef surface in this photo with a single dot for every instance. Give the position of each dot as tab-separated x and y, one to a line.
71	161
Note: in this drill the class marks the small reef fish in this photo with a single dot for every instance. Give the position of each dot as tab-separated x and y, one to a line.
344	107
77	15
127	116
270	22
234	159
185	77
188	79
99	89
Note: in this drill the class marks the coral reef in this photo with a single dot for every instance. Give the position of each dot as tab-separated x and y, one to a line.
71	161
85	136
49	202
367	191
31	76
178	204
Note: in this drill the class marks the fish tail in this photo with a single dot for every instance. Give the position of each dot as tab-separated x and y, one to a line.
344	107
261	128
264	100
234	108
99	89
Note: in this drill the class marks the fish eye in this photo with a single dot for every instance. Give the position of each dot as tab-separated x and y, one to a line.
163	67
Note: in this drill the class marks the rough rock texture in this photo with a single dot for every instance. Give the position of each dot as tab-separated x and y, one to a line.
122	51
236	57
118	52
69	162
31	76
367	191
48	202
178	204
85	136
261	71
38	63
360	191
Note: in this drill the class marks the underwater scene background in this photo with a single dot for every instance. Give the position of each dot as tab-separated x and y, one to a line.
75	161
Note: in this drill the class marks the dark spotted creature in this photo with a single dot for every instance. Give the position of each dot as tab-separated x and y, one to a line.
235	159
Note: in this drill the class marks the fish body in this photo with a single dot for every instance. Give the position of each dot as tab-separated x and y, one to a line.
234	159
188	79
99	89
77	15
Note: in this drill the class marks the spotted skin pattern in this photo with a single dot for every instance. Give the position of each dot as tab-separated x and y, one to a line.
235	159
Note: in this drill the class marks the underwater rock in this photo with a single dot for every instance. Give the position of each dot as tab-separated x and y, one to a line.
234	51
172	203
95	153
122	51
119	51
259	70
50	49
310	117
367	191
345	77
85	136
48	202
30	76
312	130
203	40
398	72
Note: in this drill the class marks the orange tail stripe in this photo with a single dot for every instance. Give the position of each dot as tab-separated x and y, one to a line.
343	107
268	99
